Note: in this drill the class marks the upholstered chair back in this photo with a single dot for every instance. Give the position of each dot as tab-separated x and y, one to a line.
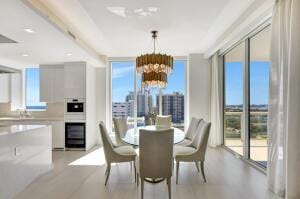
163	120
156	152
121	128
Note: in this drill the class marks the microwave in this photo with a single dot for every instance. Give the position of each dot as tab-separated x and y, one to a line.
75	106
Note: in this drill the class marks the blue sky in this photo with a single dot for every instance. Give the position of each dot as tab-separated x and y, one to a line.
123	80
32	88
259	83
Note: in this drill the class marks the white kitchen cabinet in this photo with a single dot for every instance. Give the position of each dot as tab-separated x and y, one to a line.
51	83
59	92
5	88
75	79
16	91
58	134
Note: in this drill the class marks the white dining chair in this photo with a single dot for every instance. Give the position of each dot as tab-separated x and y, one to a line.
121	128
191	132
163	120
155	156
195	152
115	154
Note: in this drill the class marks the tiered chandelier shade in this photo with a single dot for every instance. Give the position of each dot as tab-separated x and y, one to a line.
154	67
154	79
154	62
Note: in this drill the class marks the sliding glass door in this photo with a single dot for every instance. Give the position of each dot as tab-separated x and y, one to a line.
246	89
234	114
259	95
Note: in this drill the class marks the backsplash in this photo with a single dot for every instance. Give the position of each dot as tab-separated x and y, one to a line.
53	110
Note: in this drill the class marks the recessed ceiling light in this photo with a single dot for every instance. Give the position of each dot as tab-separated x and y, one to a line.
28	30
25	55
69	54
153	9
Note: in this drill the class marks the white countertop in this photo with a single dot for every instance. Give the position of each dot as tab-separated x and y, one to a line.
5	130
31	119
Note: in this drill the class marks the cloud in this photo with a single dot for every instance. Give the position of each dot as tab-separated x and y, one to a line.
121	72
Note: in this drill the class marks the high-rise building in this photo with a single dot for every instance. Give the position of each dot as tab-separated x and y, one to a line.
144	102
173	104
122	109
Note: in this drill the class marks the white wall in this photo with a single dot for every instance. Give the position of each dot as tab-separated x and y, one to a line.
91	126
199	86
100	99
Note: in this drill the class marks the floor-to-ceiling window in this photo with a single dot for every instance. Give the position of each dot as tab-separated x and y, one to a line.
246	89
234	115
32	82
122	93
259	52
141	105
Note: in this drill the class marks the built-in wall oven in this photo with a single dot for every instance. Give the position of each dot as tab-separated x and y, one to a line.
75	134
75	123
75	106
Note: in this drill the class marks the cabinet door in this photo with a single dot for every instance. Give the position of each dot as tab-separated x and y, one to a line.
4	88
75	81
58	134
46	84
16	91
59	94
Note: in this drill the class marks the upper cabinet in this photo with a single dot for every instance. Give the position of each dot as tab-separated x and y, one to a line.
5	83
75	79
16	91
52	83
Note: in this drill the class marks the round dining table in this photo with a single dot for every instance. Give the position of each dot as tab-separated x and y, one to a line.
132	135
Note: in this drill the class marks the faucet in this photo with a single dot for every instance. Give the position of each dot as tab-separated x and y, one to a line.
24	113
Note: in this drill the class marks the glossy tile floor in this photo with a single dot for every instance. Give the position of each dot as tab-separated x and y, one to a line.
81	175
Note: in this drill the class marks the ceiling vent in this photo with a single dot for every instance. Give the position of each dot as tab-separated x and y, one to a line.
5	40
72	35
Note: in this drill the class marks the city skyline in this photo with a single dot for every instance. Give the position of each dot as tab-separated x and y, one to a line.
123	80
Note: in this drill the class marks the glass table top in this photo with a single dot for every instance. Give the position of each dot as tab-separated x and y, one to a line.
132	135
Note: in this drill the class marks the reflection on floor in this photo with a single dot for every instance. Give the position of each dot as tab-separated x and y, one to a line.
78	175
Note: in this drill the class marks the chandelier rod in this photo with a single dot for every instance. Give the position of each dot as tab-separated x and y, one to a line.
154	36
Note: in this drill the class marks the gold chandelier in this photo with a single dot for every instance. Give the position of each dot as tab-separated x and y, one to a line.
154	67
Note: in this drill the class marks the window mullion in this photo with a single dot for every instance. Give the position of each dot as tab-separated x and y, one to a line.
246	100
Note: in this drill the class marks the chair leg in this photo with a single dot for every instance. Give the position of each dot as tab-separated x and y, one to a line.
169	187
107	173
130	166
137	179
177	170
134	171
197	166
142	188
202	171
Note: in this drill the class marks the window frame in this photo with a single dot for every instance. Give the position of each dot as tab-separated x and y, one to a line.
246	97
132	59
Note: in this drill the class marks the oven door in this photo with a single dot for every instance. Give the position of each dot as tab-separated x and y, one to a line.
75	107
75	134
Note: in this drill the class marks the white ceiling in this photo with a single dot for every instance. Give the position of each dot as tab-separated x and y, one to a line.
189	26
115	28
46	45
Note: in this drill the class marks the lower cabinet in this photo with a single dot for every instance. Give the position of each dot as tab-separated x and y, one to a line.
58	134
58	130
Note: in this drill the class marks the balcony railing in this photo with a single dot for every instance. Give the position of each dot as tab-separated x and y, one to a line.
234	135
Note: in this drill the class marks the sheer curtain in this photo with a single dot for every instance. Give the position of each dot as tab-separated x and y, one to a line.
215	138
284	102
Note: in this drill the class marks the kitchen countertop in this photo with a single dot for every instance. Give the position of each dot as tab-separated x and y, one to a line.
31	119
12	129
